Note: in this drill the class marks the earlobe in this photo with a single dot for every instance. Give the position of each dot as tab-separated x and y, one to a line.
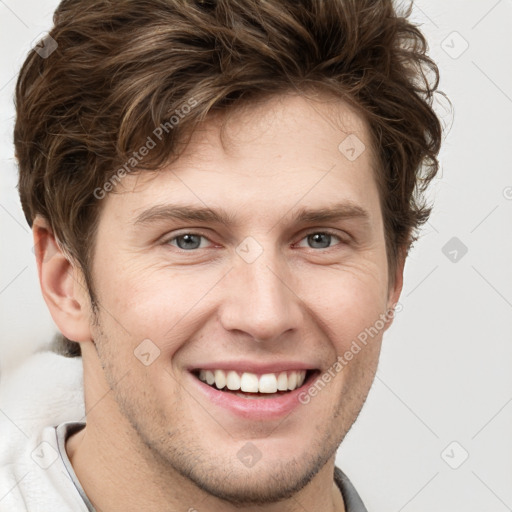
61	283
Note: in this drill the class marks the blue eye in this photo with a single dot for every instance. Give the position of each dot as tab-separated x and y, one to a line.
321	240
187	241
315	240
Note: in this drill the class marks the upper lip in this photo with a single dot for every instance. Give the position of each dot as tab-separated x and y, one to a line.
254	367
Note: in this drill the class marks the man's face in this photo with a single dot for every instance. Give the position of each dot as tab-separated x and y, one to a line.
264	294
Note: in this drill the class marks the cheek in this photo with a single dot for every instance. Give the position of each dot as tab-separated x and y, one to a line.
346	301
157	303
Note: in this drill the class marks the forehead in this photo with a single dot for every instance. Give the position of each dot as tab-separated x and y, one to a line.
284	153
282	127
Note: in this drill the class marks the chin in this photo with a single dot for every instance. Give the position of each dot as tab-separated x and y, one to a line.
263	484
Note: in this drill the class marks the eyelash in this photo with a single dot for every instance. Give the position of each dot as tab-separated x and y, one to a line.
202	235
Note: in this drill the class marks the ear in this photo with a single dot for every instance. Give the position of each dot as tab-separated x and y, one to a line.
62	284
395	288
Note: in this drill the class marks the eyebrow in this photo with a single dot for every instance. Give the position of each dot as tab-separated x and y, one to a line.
340	211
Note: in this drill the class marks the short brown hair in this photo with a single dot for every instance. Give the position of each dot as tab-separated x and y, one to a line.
121	69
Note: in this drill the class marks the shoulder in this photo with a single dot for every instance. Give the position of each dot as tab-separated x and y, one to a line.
45	390
35	479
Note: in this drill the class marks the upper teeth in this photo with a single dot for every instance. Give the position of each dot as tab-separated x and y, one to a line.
251	383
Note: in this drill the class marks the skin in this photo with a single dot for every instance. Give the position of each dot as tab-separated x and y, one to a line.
152	440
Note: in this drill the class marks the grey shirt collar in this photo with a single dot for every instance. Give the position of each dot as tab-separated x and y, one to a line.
63	431
353	502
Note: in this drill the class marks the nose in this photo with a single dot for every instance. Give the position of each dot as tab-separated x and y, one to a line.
260	301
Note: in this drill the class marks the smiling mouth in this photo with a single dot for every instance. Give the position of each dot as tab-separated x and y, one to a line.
251	385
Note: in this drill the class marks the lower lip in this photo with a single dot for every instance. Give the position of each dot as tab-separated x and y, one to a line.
255	408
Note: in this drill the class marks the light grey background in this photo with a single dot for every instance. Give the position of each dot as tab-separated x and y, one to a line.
445	373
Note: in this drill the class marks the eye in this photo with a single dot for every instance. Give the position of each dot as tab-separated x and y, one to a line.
187	241
321	239
193	241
